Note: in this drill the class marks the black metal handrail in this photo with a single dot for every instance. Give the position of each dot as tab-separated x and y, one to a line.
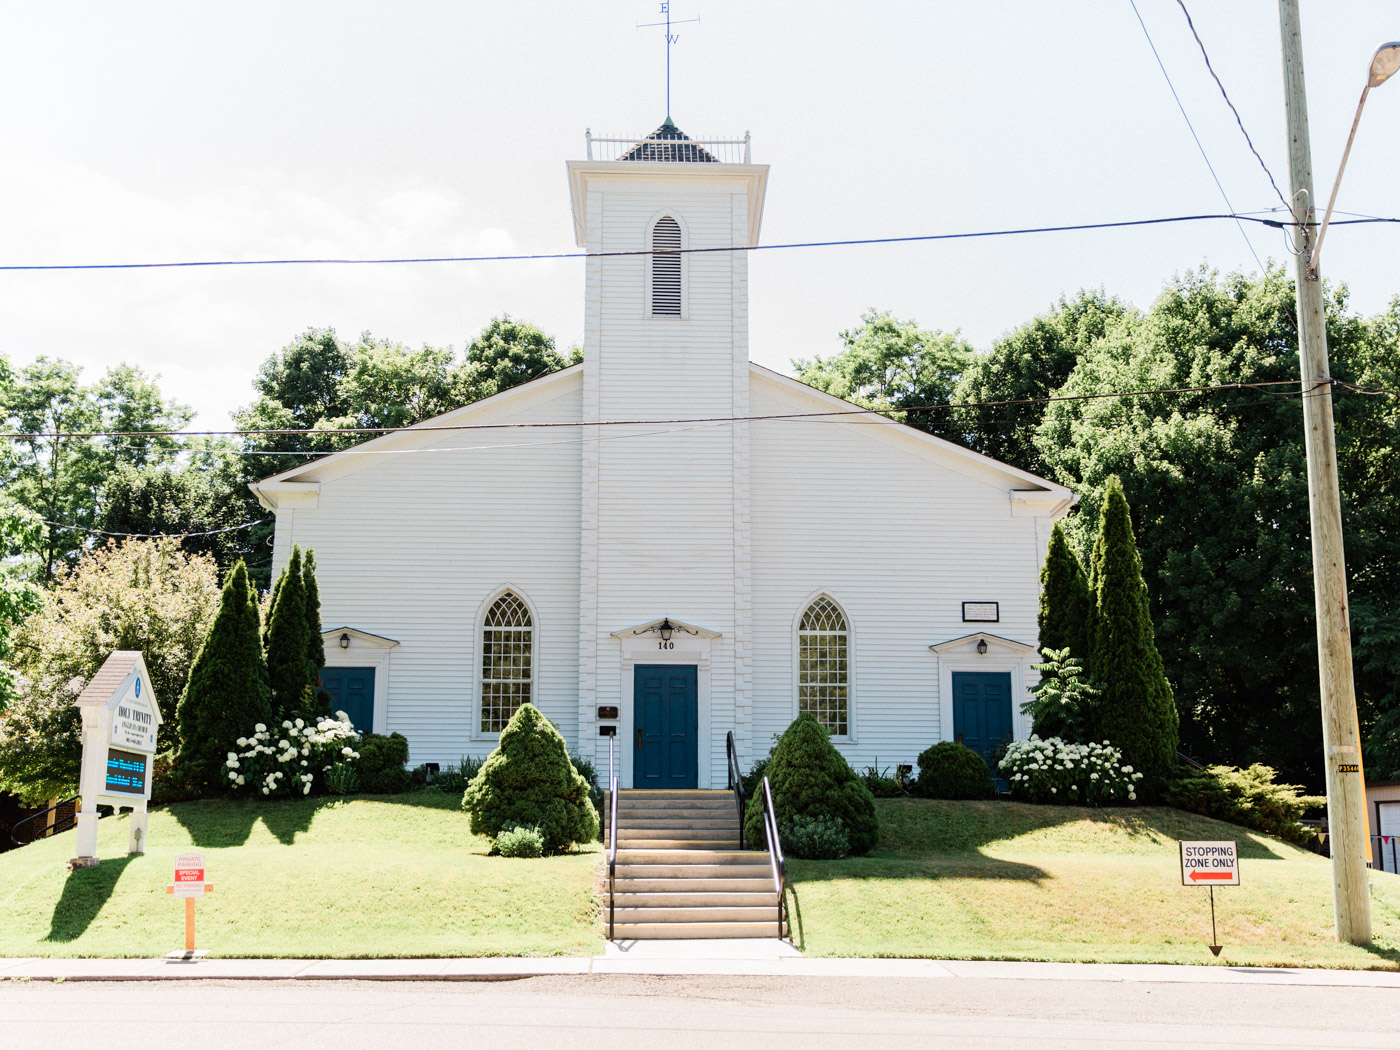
736	782
57	828
775	853
612	838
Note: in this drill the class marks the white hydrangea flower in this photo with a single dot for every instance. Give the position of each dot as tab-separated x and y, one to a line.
260	728
243	741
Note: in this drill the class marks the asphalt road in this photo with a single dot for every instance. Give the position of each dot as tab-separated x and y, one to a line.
677	1013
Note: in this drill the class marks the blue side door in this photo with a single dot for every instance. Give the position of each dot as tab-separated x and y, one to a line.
982	710
666	712
352	691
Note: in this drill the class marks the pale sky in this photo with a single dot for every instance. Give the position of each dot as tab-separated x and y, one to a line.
151	131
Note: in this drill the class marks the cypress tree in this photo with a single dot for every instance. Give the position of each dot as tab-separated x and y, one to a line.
1136	710
315	647
288	668
227	693
1066	605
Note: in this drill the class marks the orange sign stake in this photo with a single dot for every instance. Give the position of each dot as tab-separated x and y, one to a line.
189	883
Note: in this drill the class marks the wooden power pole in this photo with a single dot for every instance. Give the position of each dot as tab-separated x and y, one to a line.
1346	791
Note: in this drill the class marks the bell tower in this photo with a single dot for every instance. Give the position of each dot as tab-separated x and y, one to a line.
665	365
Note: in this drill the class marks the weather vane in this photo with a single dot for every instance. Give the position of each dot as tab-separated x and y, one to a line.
671	38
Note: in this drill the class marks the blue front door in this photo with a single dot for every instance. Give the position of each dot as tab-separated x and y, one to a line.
666	711
352	691
982	710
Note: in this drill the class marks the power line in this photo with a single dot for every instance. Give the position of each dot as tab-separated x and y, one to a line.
1226	96
1190	127
834	415
150	535
543	256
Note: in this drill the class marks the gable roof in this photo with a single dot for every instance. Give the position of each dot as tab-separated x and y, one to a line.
669	143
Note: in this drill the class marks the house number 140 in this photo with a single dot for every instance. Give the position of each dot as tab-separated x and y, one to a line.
665	645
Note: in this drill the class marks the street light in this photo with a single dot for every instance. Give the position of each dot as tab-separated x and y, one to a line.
1384	64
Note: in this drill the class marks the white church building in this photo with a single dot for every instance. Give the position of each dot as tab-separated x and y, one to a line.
668	542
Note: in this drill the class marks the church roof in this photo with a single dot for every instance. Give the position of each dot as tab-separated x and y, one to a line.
669	143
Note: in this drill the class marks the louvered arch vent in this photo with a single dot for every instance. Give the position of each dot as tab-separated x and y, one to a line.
666	268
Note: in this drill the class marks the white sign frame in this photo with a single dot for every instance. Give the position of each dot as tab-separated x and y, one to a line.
1210	863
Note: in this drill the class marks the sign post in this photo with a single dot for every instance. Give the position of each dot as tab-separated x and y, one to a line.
1210	864
120	720
190	884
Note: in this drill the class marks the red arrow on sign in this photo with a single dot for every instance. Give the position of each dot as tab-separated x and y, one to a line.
1197	876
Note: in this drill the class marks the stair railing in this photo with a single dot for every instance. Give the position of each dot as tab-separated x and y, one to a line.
58	825
736	782
775	853
612	837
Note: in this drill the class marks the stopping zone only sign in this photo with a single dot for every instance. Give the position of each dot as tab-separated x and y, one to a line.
1210	864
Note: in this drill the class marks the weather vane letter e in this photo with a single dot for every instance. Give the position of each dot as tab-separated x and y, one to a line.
671	38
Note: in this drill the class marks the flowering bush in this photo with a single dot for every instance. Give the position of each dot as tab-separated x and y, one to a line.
1070	774
287	762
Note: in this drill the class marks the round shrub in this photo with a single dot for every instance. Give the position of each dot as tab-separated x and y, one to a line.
529	781
810	778
954	771
815	838
520	842
393	780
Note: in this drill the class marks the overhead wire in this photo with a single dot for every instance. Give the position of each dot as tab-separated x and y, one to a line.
1191	128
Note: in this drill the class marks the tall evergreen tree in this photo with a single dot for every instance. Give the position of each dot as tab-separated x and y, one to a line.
1066	606
1136	709
284	640
315	647
227	693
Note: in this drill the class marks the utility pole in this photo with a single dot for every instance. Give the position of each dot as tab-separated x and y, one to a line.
1346	793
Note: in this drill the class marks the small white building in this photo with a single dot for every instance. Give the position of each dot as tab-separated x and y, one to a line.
667	538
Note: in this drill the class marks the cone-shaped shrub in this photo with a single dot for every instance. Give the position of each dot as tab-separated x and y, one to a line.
1066	605
810	778
288	669
315	647
227	692
1136	711
528	781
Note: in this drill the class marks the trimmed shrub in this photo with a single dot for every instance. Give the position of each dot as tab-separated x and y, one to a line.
755	776
1069	774
809	777
289	669
954	771
815	838
392	780
528	780
1066	605
520	842
1247	797
227	691
318	699
1136	709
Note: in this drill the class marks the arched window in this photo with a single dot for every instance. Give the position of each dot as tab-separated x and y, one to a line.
823	667
507	651
666	268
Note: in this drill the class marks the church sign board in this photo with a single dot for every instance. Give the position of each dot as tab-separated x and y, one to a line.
120	721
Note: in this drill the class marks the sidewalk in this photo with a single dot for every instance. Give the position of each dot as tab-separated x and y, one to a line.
663	958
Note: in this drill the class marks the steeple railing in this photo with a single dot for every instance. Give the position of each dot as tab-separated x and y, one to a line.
725	151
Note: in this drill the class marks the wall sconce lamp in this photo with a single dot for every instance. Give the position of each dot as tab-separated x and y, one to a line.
981	647
345	641
666	629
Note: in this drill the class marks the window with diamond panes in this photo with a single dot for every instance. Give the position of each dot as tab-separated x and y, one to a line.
666	268
822	666
507	647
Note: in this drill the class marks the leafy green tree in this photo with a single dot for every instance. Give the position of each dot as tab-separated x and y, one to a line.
528	781
228	693
290	670
1136	710
506	353
1066	607
1063	703
810	778
1029	364
147	595
893	366
172	500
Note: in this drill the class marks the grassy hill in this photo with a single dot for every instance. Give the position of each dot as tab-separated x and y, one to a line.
361	877
1003	880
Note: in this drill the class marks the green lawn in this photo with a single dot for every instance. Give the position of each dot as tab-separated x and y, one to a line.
346	878
1003	880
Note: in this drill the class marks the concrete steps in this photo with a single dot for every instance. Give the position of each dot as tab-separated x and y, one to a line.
681	874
